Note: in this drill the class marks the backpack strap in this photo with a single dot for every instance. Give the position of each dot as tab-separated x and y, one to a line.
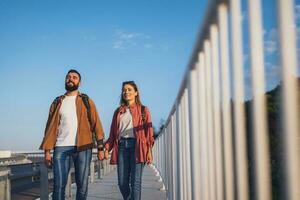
85	99
143	114
57	100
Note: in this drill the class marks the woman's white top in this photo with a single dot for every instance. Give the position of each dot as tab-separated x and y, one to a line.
126	125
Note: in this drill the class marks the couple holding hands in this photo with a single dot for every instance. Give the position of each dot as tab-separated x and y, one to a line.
72	124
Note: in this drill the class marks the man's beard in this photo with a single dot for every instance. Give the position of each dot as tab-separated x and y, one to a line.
71	88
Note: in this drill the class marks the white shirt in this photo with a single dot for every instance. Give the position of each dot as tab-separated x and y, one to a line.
126	125
67	130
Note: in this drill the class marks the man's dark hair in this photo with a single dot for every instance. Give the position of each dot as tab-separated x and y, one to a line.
74	71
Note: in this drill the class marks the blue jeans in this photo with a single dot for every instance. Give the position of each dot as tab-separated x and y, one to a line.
61	167
129	170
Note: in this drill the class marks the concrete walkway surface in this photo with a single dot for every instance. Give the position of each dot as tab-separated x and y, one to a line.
107	188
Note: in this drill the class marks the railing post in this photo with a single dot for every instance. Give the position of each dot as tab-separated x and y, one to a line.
177	154
182	149
290	92
104	168
174	158
210	128
215	47
69	185
194	134
179	151
204	190
171	167
239	104
107	168
44	184
4	184
99	165
168	167
92	171
110	167
261	143
8	188
187	151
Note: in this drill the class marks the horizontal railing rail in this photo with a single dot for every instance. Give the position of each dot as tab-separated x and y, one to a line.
38	172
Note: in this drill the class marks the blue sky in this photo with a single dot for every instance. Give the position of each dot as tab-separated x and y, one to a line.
149	41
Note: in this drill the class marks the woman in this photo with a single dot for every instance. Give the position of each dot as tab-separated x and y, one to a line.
131	140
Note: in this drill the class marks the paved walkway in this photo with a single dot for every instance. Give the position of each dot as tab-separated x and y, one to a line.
107	188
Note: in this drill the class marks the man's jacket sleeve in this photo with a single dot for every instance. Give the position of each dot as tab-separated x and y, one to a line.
96	122
51	111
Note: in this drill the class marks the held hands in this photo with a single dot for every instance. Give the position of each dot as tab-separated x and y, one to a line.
100	155
106	153
103	155
102	152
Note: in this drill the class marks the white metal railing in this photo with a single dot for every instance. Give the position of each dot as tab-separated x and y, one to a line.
202	151
38	172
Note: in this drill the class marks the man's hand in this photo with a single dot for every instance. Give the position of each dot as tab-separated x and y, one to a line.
101	155
48	159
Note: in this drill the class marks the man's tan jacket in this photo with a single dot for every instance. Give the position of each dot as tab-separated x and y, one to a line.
84	129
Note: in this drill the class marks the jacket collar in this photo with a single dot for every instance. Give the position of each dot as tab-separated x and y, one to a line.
123	107
78	94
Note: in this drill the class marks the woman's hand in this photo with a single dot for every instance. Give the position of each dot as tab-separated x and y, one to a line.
106	154
149	156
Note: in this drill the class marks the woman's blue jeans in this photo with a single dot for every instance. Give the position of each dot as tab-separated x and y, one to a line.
129	171
61	167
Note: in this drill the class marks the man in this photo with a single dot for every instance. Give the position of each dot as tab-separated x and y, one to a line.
72	120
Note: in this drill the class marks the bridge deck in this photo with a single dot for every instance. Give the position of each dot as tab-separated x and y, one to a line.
107	188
